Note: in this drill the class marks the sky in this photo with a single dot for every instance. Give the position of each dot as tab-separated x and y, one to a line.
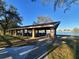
31	10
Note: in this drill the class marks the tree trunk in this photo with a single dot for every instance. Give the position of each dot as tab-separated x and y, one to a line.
4	32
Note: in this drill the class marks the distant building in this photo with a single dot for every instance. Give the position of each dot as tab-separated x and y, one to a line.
36	30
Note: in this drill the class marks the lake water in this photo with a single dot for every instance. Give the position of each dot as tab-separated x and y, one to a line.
68	33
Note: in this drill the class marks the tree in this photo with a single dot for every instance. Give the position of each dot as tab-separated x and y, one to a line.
66	4
9	17
75	30
43	19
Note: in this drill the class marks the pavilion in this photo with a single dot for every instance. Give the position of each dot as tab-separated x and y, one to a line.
36	30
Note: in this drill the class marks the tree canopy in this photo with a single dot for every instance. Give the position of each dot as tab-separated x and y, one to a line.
43	19
9	17
75	30
66	4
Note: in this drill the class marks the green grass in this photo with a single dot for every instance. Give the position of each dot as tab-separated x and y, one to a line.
8	41
68	50
74	44
62	52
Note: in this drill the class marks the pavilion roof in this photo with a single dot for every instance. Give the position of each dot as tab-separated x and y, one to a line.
44	25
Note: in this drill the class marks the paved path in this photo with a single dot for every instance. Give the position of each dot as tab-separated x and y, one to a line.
26	52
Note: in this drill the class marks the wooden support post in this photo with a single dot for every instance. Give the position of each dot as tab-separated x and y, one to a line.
45	31
33	33
27	32
38	31
22	32
14	33
8	32
53	33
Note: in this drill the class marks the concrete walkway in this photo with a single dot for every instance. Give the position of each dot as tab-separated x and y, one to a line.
26	52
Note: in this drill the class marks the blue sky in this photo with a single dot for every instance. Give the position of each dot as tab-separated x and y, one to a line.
30	11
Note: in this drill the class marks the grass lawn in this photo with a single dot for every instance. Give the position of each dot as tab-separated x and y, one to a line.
74	45
67	50
7	40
